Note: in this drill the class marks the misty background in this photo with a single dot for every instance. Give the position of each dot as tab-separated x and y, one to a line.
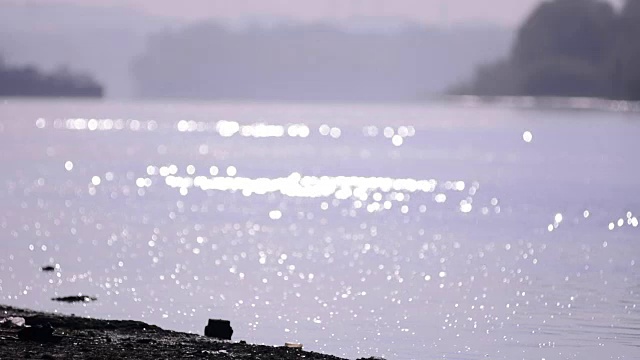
136	54
322	50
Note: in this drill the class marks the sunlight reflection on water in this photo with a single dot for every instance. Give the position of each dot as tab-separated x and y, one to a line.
406	232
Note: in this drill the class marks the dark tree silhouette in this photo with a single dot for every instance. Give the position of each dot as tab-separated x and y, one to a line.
627	65
28	81
569	48
572	29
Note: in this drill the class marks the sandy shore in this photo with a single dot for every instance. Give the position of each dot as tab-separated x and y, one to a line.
82	338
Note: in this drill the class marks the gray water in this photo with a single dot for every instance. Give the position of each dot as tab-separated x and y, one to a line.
402	231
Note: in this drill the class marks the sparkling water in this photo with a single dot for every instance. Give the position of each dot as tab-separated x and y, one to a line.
402	231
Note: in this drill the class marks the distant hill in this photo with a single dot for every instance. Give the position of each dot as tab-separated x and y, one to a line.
303	62
581	48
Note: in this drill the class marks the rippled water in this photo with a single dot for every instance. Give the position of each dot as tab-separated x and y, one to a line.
402	231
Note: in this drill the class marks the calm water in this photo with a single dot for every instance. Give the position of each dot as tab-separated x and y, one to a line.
402	231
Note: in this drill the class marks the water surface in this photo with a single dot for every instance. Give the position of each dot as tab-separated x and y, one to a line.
401	231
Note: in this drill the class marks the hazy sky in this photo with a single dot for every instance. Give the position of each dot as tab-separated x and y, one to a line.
435	12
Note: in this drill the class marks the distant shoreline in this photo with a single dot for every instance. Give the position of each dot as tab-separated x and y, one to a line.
468	101
545	102
80	337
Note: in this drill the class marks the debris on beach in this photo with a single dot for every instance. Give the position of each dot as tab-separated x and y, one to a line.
41	333
48	268
219	329
215	352
13	321
74	299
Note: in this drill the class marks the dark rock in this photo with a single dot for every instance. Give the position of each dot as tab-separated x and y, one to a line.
48	268
78	298
243	342
219	329
41	333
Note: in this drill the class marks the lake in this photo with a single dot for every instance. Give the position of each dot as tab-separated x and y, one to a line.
405	231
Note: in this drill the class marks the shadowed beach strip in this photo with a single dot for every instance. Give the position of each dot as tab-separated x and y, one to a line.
84	338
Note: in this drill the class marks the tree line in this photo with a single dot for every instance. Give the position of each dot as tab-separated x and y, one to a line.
29	81
569	48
